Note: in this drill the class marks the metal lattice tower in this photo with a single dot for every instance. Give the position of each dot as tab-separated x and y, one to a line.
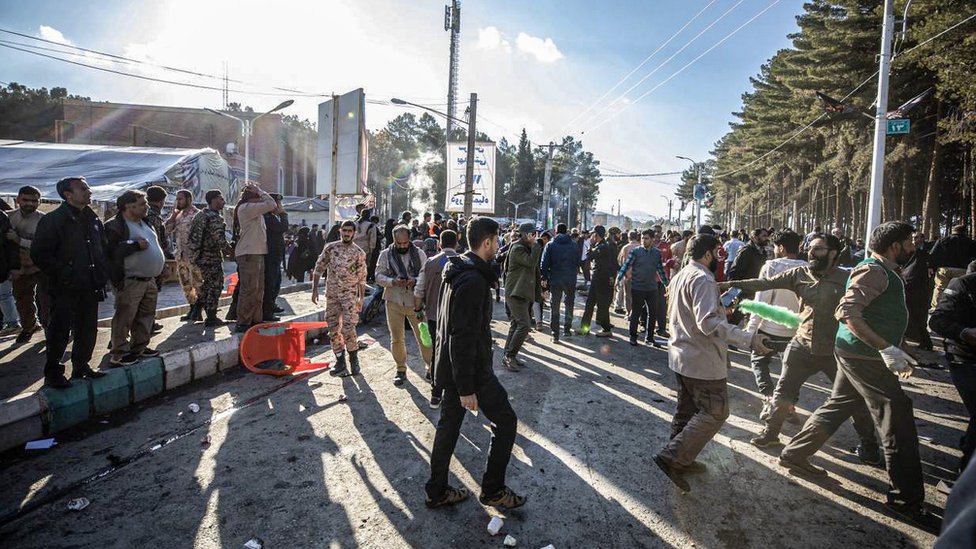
452	23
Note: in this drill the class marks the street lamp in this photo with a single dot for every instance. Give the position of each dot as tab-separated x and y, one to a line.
695	191
670	203
398	101
246	125
517	204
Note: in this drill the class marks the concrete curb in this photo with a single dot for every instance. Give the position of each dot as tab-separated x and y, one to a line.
37	415
180	310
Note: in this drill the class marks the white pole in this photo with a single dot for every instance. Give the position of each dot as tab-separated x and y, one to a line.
880	121
333	210
247	151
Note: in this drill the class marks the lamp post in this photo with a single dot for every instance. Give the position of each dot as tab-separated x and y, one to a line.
246	126
670	203
517	204
694	192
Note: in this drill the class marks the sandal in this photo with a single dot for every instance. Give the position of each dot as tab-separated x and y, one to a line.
451	496
504	498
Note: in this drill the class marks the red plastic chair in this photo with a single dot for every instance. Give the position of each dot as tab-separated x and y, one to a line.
284	341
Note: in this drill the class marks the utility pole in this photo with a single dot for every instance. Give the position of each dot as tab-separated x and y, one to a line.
620	217
880	121
452	23
469	166
547	186
569	208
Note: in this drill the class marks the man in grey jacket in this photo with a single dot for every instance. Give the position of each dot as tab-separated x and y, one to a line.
427	293
397	271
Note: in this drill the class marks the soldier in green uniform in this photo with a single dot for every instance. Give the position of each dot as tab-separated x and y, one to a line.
207	242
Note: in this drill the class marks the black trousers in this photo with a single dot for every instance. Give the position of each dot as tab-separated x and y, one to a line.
432	326
599	296
493	403
561	295
964	378
72	314
643	302
662	307
917	299
272	284
870	382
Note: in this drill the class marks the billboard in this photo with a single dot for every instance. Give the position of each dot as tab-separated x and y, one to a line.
342	141
483	200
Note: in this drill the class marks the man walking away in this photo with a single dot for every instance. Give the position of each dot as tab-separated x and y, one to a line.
786	251
560	261
949	257
538	308
276	223
344	263
955	320
207	242
136	260
622	298
870	359
367	237
642	267
69	248
698	355
604	258
178	224
252	246
426	297
521	290
463	368
397	271
27	281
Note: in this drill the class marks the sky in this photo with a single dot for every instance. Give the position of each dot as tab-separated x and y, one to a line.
549	66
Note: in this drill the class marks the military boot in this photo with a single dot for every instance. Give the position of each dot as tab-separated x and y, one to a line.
339	368
354	363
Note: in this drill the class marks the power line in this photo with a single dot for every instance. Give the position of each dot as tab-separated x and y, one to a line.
642	174
606	107
690	63
642	63
849	94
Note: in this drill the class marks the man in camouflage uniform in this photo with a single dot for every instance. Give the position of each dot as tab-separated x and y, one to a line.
178	224
207	242
345	287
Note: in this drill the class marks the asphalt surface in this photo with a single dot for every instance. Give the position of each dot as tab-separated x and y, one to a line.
327	462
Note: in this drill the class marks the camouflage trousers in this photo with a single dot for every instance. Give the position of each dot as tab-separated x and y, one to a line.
212	285
191	279
342	317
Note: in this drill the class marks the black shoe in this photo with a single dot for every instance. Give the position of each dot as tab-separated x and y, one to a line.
59	382
87	372
127	359
663	333
339	368
353	363
435	402
277	309
917	515
231	317
676	475
241	328
213	322
25	335
157	327
868	454
633	341
619	310
801	466
400	378
510	364
149	353
567	332
765	439
193	314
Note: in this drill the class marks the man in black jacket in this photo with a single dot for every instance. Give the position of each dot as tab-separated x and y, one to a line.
750	259
276	222
604	258
949	257
69	248
955	320
463	368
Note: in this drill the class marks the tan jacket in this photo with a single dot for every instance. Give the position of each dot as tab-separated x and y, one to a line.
253	239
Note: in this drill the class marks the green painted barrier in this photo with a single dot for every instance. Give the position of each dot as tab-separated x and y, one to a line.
147	378
111	392
67	407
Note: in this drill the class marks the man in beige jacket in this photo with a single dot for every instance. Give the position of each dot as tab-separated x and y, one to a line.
252	246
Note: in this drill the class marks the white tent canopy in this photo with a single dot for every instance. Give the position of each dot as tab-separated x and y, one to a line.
112	170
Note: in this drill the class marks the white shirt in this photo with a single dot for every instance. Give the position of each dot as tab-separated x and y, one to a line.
732	247
782	298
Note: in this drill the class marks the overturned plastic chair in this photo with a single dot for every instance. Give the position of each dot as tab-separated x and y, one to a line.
281	344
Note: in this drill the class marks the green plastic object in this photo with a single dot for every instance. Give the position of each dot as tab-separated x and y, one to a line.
772	313
424	331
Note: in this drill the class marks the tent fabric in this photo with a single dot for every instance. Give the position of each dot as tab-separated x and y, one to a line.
112	170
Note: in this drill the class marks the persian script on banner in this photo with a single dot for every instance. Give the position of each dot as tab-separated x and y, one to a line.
483	199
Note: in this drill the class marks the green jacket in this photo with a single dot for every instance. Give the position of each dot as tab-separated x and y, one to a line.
522	274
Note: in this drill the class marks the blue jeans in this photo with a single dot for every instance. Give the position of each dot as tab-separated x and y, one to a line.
7	306
760	367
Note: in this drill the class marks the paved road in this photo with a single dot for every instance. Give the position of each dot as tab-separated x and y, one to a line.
290	462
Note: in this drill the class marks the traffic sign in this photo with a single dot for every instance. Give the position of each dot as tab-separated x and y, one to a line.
899	126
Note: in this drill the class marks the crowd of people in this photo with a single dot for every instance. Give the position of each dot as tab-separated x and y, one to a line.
854	309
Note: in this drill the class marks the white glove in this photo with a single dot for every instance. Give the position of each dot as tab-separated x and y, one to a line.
898	361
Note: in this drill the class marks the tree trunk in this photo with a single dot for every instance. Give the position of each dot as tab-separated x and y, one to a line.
930	208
